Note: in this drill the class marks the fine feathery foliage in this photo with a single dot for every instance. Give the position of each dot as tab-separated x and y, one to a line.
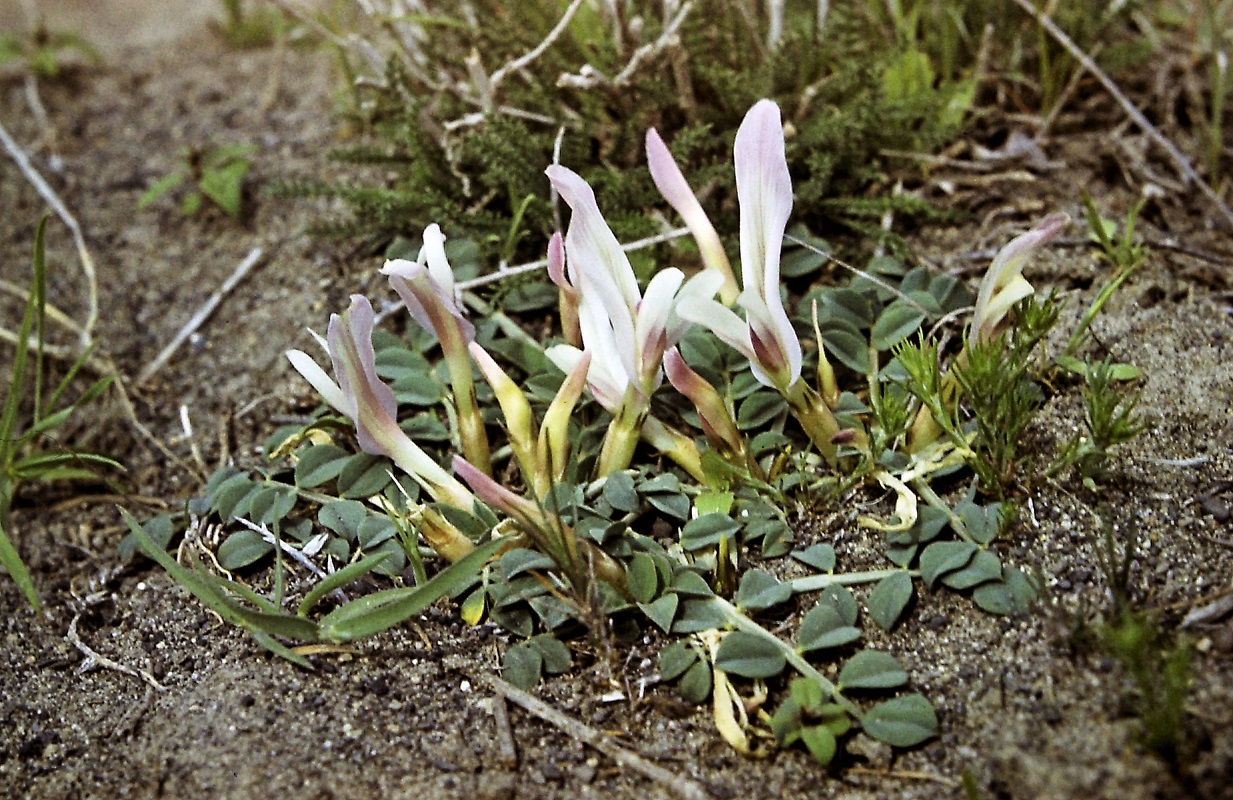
439	153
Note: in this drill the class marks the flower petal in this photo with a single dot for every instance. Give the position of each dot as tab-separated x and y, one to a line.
597	264
355	365
675	189
605	388
323	383
1008	266
651	325
719	320
703	286
764	190
433	255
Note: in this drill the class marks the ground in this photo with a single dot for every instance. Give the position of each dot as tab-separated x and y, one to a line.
1026	708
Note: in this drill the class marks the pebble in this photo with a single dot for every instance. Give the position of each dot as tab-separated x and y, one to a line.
1215	507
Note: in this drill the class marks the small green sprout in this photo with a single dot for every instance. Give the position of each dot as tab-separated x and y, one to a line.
251	28
217	175
1157	663
43	51
1110	419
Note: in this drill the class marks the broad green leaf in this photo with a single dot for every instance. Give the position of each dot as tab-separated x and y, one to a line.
902	722
889	598
318	464
982	521
521	560
675	658
761	590
364	475
662	611
698	615
850	349
620	493
230	499
553	612
343	517
663	482
786	722
243	548
820	741
159	529
674	505
374	529
556	655
983	567
940	558
688	583
696	683
642	578
224	185
750	656
530	296
714	502
759	409
706	531
473	608
819	556
840	598
270	504
897	322
824	627
872	669
523	665
395	563
1014	594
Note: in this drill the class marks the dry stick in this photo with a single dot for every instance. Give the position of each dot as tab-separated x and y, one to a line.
494	82
95	659
1180	161
507	749
207	308
907	775
680	786
588	77
52	199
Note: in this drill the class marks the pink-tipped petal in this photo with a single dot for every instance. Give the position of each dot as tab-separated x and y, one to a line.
597	264
556	263
355	365
764	191
651	326
493	493
675	188
1004	284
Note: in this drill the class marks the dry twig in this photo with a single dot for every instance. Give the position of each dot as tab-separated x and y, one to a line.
97	660
1183	165
52	199
203	313
678	785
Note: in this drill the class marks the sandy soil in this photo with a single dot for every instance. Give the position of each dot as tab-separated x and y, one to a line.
1025	708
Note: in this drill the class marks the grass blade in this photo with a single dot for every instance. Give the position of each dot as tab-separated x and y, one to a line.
21	576
340	578
382	610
